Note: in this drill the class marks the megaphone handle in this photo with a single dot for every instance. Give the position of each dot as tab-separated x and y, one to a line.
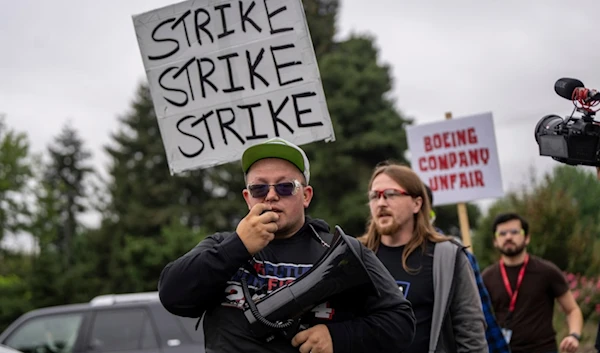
291	331
254	310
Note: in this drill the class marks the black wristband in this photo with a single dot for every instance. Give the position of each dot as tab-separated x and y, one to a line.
577	337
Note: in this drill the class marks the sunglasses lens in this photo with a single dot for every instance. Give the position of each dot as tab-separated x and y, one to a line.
285	189
282	189
258	190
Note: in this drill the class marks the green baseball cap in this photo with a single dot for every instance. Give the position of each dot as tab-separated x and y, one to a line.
277	148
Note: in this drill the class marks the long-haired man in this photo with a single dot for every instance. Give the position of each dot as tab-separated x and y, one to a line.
432	270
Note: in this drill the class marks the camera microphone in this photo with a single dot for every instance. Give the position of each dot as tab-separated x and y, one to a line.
573	89
565	87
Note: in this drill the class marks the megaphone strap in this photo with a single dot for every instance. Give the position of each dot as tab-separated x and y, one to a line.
316	234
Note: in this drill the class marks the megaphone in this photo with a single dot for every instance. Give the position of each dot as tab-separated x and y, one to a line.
339	269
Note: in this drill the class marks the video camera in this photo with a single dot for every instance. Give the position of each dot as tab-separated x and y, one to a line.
573	141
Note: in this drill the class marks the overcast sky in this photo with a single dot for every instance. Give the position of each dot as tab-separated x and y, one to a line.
79	60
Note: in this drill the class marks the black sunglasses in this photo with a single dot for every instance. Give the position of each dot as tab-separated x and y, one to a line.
282	189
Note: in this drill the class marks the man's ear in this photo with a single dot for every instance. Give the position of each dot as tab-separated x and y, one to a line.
247	197
307	195
417	204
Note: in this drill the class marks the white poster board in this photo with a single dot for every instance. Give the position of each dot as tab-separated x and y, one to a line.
225	75
457	158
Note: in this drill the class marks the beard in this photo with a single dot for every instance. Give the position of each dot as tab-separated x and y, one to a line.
514	251
388	229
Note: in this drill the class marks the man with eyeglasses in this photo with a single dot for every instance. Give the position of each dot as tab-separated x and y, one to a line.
523	289
274	244
432	270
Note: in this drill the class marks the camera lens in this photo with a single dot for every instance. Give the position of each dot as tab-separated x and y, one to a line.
547	126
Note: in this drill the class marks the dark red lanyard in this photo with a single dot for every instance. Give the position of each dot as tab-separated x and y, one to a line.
513	296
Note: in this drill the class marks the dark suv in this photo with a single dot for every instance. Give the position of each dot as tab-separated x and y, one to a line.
127	323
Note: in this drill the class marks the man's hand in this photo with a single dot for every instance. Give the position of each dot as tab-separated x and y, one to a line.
314	340
257	229
569	344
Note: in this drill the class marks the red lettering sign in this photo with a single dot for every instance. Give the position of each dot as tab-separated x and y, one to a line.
450	139
452	181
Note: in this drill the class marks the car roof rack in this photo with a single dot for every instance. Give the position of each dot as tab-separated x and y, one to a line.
112	299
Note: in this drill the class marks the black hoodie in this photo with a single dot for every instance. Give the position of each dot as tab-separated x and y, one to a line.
207	280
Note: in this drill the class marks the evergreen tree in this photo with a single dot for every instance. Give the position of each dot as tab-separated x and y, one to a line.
321	16
368	130
60	202
145	198
66	177
15	174
446	218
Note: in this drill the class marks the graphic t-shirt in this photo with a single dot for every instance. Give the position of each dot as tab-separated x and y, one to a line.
280	263
416	285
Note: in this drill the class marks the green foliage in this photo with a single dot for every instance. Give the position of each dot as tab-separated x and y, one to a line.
145	198
15	173
62	195
321	16
60	199
446	218
151	255
562	219
15	296
368	130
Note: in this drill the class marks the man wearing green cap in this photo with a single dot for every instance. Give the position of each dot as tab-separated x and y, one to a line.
274	244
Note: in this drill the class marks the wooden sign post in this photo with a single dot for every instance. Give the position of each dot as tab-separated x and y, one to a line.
463	216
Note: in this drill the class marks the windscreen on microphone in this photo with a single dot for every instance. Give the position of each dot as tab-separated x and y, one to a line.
565	87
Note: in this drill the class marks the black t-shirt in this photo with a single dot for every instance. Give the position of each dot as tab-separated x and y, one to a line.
417	287
207	280
280	263
531	322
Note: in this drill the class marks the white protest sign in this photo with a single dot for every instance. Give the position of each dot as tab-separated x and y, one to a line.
457	158
225	75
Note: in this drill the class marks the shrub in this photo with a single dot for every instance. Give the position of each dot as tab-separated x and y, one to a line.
586	291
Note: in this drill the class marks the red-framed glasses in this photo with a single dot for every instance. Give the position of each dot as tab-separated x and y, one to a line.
386	193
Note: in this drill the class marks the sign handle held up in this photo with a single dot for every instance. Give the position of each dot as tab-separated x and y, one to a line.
463	216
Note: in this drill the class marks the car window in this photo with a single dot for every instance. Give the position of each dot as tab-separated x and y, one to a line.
149	339
46	334
6	349
189	325
124	329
